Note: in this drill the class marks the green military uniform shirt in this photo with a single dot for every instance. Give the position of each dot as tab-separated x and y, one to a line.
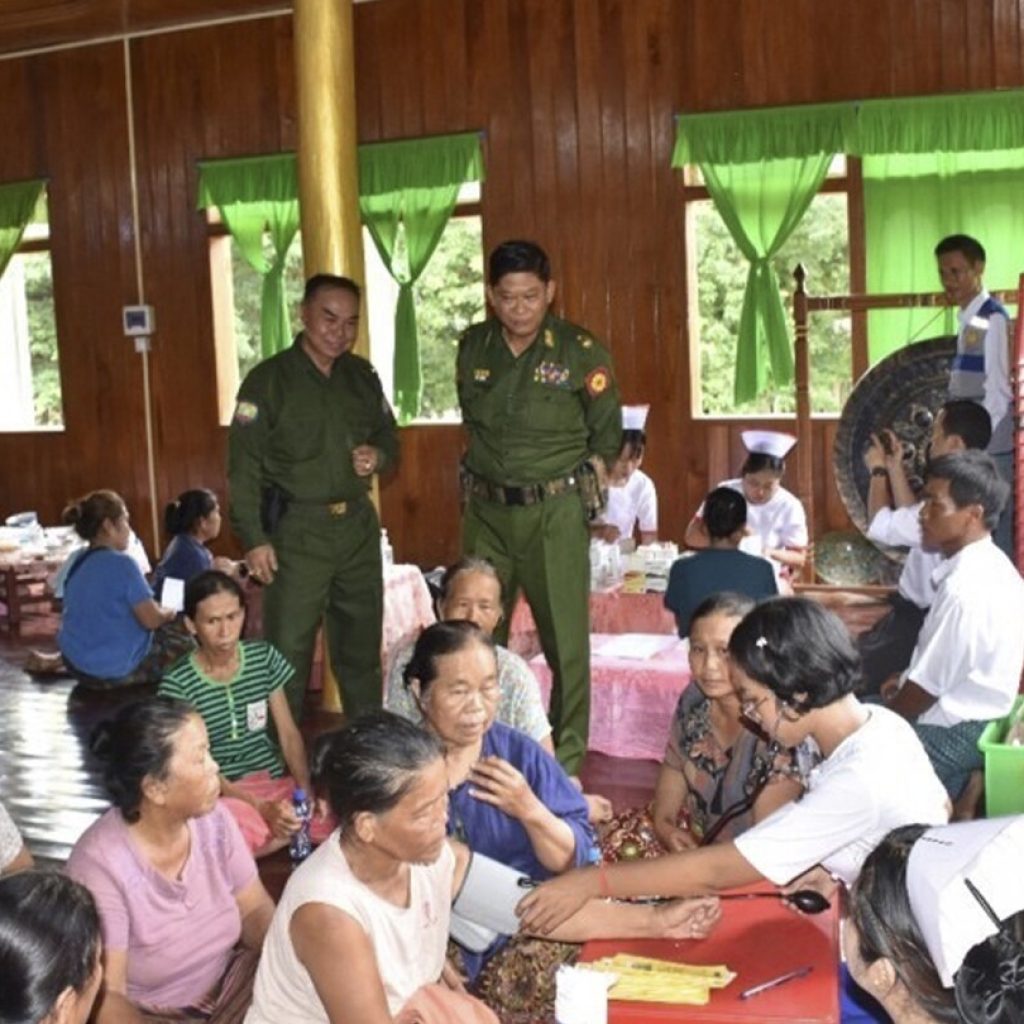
296	428
536	416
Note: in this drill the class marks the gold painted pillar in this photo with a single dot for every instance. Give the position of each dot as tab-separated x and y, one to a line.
332	238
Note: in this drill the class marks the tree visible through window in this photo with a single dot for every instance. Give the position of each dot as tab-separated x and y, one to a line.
449	296
30	392
820	242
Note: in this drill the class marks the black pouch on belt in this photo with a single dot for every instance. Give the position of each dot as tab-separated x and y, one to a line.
594	497
273	505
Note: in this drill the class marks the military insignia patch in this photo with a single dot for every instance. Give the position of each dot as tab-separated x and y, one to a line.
549	338
597	381
585	340
552	374
246	413
481	376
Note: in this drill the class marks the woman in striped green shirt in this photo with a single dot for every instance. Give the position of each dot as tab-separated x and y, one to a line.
237	686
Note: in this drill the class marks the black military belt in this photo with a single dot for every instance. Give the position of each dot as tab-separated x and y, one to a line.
532	494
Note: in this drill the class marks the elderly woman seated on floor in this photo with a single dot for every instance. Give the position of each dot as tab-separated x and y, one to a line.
182	907
49	949
362	928
471	591
112	632
511	801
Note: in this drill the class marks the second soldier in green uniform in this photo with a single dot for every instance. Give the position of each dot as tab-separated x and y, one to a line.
310	429
541	406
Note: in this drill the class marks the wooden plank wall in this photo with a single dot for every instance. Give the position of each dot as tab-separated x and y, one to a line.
575	99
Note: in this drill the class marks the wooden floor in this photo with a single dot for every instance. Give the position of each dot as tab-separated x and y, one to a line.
53	787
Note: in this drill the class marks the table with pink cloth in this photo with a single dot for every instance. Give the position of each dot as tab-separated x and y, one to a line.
631	700
408	608
611	611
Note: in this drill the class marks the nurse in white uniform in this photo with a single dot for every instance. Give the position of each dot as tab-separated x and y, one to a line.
632	499
776	520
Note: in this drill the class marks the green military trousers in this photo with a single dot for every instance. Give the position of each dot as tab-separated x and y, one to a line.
545	549
329	570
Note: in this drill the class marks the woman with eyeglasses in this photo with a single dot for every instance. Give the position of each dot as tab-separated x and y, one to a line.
510	800
795	668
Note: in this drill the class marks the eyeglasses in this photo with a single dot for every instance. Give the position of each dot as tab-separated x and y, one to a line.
749	708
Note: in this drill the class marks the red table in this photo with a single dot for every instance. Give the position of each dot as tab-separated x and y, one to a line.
631	701
759	940
611	611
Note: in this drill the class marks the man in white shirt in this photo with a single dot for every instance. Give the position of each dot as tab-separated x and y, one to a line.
981	367
893	515
966	667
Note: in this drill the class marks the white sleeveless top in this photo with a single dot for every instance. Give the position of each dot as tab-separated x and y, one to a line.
409	942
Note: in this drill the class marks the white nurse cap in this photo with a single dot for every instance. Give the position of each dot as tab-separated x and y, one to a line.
768	442
634	417
990	855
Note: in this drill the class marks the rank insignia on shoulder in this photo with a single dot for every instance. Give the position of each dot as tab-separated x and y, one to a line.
597	381
481	376
552	374
549	338
586	340
245	413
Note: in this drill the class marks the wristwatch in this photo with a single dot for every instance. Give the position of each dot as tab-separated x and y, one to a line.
879	471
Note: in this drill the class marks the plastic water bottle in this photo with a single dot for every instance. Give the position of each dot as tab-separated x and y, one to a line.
387	555
300	846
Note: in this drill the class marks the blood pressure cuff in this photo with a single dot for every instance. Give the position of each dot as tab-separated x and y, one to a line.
485	905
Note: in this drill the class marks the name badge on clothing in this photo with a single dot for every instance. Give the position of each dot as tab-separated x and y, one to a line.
256	716
974	338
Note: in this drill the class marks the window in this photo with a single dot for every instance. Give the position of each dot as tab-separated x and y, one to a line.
718	275
449	296
30	392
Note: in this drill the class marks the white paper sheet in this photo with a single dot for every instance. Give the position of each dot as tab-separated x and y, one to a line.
173	594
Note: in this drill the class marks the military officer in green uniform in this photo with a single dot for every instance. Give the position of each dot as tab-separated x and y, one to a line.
541	406
310	429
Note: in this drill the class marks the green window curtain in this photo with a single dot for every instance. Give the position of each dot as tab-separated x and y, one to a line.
408	191
17	202
761	203
936	166
910	203
762	169
258	195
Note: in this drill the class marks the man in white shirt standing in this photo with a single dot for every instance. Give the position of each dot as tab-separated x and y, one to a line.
893	516
981	367
966	667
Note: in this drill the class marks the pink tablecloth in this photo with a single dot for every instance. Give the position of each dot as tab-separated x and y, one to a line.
611	611
407	609
631	701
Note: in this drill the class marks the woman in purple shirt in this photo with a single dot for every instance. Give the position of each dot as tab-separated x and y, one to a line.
175	884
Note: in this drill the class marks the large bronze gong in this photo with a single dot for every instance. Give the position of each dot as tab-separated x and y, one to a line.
903	393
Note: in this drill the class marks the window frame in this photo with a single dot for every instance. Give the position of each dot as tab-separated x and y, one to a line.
28	246
851	183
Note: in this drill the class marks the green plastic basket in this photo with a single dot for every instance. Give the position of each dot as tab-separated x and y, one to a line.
1004	768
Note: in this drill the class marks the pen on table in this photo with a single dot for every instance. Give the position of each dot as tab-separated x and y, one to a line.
756	990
